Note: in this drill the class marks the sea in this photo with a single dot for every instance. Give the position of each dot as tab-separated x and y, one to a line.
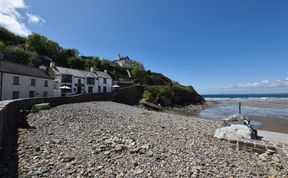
259	105
259	97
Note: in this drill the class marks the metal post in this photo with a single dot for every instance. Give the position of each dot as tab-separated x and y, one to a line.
240	108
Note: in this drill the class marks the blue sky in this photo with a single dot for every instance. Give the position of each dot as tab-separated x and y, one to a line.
238	46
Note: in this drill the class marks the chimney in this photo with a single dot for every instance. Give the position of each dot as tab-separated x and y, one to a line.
118	56
42	67
91	69
52	64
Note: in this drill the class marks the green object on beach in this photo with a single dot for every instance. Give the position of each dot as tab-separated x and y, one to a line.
41	106
240	108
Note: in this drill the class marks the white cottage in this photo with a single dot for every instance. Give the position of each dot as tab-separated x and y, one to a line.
72	81
104	82
22	81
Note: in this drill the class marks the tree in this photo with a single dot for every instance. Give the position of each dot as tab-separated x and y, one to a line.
16	54
10	38
42	45
76	63
138	72
63	56
92	61
105	65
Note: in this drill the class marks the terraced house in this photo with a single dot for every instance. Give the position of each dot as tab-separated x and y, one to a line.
72	81
21	81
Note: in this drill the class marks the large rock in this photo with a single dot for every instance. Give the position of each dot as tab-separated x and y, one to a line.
233	132
236	119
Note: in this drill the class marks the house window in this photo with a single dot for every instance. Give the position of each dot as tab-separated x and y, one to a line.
45	83
16	81
104	81
33	82
32	94
90	81
90	89
104	89
99	89
15	94
45	94
66	78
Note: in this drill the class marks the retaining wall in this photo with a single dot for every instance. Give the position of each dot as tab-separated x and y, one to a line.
9	111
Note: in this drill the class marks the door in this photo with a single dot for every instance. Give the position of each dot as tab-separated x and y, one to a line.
79	86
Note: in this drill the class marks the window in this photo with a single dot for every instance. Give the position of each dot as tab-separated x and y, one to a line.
45	83
32	94
16	81
104	89
45	94
66	78
99	89
90	81
90	89
105	81
15	94
33	82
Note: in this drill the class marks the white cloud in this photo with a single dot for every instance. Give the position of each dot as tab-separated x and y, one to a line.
11	18
35	19
283	83
265	86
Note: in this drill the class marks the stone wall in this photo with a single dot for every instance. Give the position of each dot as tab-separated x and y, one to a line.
9	112
129	95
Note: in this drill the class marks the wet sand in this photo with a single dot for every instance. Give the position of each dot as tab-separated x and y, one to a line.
270	121
276	104
271	124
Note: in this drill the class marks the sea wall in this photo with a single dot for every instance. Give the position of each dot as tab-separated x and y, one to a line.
129	95
9	113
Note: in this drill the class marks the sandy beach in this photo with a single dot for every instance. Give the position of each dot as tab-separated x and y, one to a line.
267	115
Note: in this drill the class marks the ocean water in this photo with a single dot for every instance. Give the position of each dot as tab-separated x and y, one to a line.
229	105
257	97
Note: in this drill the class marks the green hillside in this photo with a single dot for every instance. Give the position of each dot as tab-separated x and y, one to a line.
36	50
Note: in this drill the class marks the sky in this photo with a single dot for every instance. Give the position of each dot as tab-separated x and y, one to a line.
222	46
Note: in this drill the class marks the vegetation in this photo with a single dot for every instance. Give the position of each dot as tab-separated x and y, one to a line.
37	49
168	95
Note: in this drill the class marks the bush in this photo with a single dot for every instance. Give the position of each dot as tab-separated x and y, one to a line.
170	95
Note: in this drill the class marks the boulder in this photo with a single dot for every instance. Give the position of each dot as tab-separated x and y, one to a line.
236	119
233	132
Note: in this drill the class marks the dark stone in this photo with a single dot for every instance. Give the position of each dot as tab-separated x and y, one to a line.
37	149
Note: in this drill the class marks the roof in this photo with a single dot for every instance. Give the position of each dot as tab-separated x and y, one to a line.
80	73
74	72
21	69
121	58
102	74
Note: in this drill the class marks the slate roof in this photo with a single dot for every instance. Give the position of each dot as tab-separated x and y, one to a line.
80	73
102	74
21	69
74	72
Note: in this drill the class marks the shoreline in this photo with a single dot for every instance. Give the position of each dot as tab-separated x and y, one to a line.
267	123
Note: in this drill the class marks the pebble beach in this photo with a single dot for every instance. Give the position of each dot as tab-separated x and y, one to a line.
106	139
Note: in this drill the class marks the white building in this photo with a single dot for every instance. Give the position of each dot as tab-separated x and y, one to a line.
21	81
104	82
72	81
124	61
